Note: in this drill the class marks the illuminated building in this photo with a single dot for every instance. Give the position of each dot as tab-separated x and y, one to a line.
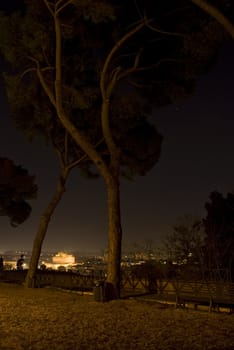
60	261
62	258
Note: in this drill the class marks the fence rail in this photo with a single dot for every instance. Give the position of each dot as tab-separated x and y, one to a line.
198	292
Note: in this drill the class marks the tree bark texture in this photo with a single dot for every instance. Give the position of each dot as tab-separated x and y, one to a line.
42	229
114	239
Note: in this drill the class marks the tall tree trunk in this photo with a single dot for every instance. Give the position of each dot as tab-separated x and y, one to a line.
114	239
42	229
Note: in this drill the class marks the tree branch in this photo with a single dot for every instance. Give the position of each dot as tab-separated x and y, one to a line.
215	13
163	31
46	88
78	137
27	71
62	7
85	156
106	91
48	7
113	51
134	69
44	85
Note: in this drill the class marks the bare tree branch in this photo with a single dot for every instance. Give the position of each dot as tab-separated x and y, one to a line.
46	88
48	7
215	13
62	7
26	72
113	51
135	69
107	86
163	31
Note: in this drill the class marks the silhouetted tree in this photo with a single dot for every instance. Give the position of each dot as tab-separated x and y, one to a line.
104	61
141	143
186	245
68	159
219	228
16	188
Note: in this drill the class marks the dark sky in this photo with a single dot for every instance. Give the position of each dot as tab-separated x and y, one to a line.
197	158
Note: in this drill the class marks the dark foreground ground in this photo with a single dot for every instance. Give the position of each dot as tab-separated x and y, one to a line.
47	319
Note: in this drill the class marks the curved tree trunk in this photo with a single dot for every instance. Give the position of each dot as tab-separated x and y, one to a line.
217	14
109	173
42	229
114	239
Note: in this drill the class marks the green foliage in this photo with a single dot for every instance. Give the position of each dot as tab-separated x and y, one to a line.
178	46
21	38
95	11
16	188
140	144
33	112
8	34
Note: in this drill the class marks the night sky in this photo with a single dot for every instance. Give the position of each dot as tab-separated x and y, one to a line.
197	157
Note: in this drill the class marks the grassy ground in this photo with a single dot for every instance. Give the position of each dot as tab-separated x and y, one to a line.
46	319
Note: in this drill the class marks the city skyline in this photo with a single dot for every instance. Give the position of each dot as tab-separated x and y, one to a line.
196	158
